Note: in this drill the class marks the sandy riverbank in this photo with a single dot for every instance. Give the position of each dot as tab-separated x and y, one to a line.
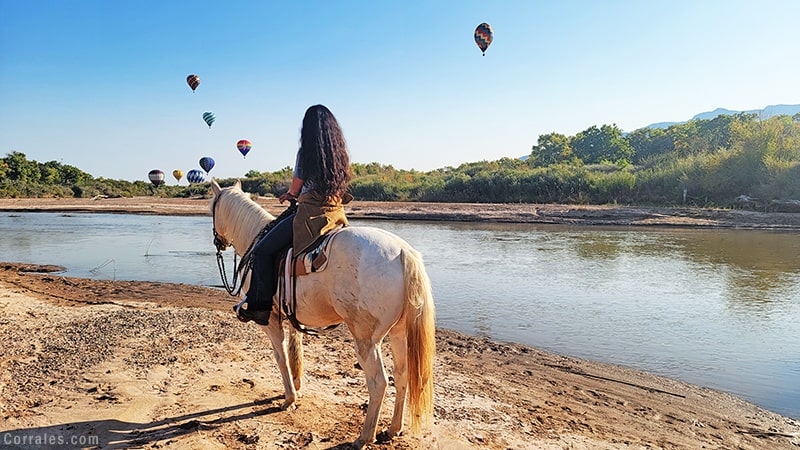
467	212
157	365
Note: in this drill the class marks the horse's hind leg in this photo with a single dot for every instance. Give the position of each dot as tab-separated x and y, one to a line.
279	347
369	356
397	340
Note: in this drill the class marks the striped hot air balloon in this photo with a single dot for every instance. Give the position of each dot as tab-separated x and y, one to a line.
156	177
484	36
244	147
209	118
195	176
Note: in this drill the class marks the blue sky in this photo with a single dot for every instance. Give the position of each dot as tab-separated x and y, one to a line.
100	85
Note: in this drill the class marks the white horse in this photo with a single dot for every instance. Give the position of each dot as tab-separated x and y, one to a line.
376	284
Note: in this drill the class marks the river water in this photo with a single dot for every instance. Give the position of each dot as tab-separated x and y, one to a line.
717	308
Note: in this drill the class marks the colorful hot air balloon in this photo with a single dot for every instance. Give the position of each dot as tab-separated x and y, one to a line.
193	81
209	118
195	176
244	147
483	36
178	174
156	177
207	163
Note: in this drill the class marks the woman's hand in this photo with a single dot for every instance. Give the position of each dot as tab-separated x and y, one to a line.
287	196
297	184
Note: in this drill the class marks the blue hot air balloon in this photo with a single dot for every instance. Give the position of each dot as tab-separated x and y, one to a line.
207	163
195	176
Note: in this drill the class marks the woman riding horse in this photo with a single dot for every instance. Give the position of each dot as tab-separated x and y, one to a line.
321	176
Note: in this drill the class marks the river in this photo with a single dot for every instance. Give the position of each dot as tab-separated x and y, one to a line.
717	308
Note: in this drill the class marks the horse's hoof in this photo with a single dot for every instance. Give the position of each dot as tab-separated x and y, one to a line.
389	434
357	445
287	406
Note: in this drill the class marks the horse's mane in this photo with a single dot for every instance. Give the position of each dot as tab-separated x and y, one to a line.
245	217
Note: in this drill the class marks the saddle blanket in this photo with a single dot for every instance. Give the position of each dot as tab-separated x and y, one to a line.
313	260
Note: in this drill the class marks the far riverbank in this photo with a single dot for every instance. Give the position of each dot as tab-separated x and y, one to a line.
462	212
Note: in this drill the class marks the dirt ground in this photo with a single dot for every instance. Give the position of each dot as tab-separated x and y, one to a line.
158	365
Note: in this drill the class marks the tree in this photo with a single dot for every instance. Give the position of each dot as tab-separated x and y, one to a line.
647	142
605	144
550	149
20	169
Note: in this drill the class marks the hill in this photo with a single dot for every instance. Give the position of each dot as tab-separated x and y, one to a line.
765	113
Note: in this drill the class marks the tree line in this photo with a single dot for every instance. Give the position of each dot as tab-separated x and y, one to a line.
701	162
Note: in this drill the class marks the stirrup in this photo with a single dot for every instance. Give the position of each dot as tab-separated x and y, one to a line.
240	304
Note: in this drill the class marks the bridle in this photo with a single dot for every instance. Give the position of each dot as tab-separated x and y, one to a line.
242	269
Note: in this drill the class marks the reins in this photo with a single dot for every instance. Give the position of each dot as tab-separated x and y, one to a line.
242	269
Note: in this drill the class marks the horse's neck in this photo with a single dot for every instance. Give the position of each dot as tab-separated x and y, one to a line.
243	242
247	223
250	229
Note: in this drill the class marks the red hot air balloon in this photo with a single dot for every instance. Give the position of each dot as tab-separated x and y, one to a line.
156	177
244	147
193	81
484	36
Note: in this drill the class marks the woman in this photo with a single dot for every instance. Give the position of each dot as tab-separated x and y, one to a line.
321	176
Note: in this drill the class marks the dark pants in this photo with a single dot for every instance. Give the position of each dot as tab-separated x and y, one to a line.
264	276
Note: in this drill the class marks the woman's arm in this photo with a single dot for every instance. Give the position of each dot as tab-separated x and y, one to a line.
294	190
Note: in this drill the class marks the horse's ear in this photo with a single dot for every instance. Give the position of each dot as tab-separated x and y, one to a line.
215	187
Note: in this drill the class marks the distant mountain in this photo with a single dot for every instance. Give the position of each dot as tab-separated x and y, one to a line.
766	113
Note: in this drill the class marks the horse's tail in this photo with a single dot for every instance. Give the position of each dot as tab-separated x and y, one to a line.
420	337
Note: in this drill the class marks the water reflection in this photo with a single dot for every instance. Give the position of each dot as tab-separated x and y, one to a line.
759	268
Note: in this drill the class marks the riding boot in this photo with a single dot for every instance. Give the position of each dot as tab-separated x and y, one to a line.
252	307
260	317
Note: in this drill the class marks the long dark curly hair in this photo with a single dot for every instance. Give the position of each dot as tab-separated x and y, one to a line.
323	158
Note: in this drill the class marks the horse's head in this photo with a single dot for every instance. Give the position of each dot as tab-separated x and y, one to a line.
221	242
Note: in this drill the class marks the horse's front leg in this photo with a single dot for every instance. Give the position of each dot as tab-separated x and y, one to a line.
279	348
295	355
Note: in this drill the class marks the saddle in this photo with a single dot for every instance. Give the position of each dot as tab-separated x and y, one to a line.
313	260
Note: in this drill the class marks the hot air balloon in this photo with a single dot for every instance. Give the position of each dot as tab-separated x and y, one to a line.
209	118
193	81
156	177
195	176
178	174
244	147
207	163
483	36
